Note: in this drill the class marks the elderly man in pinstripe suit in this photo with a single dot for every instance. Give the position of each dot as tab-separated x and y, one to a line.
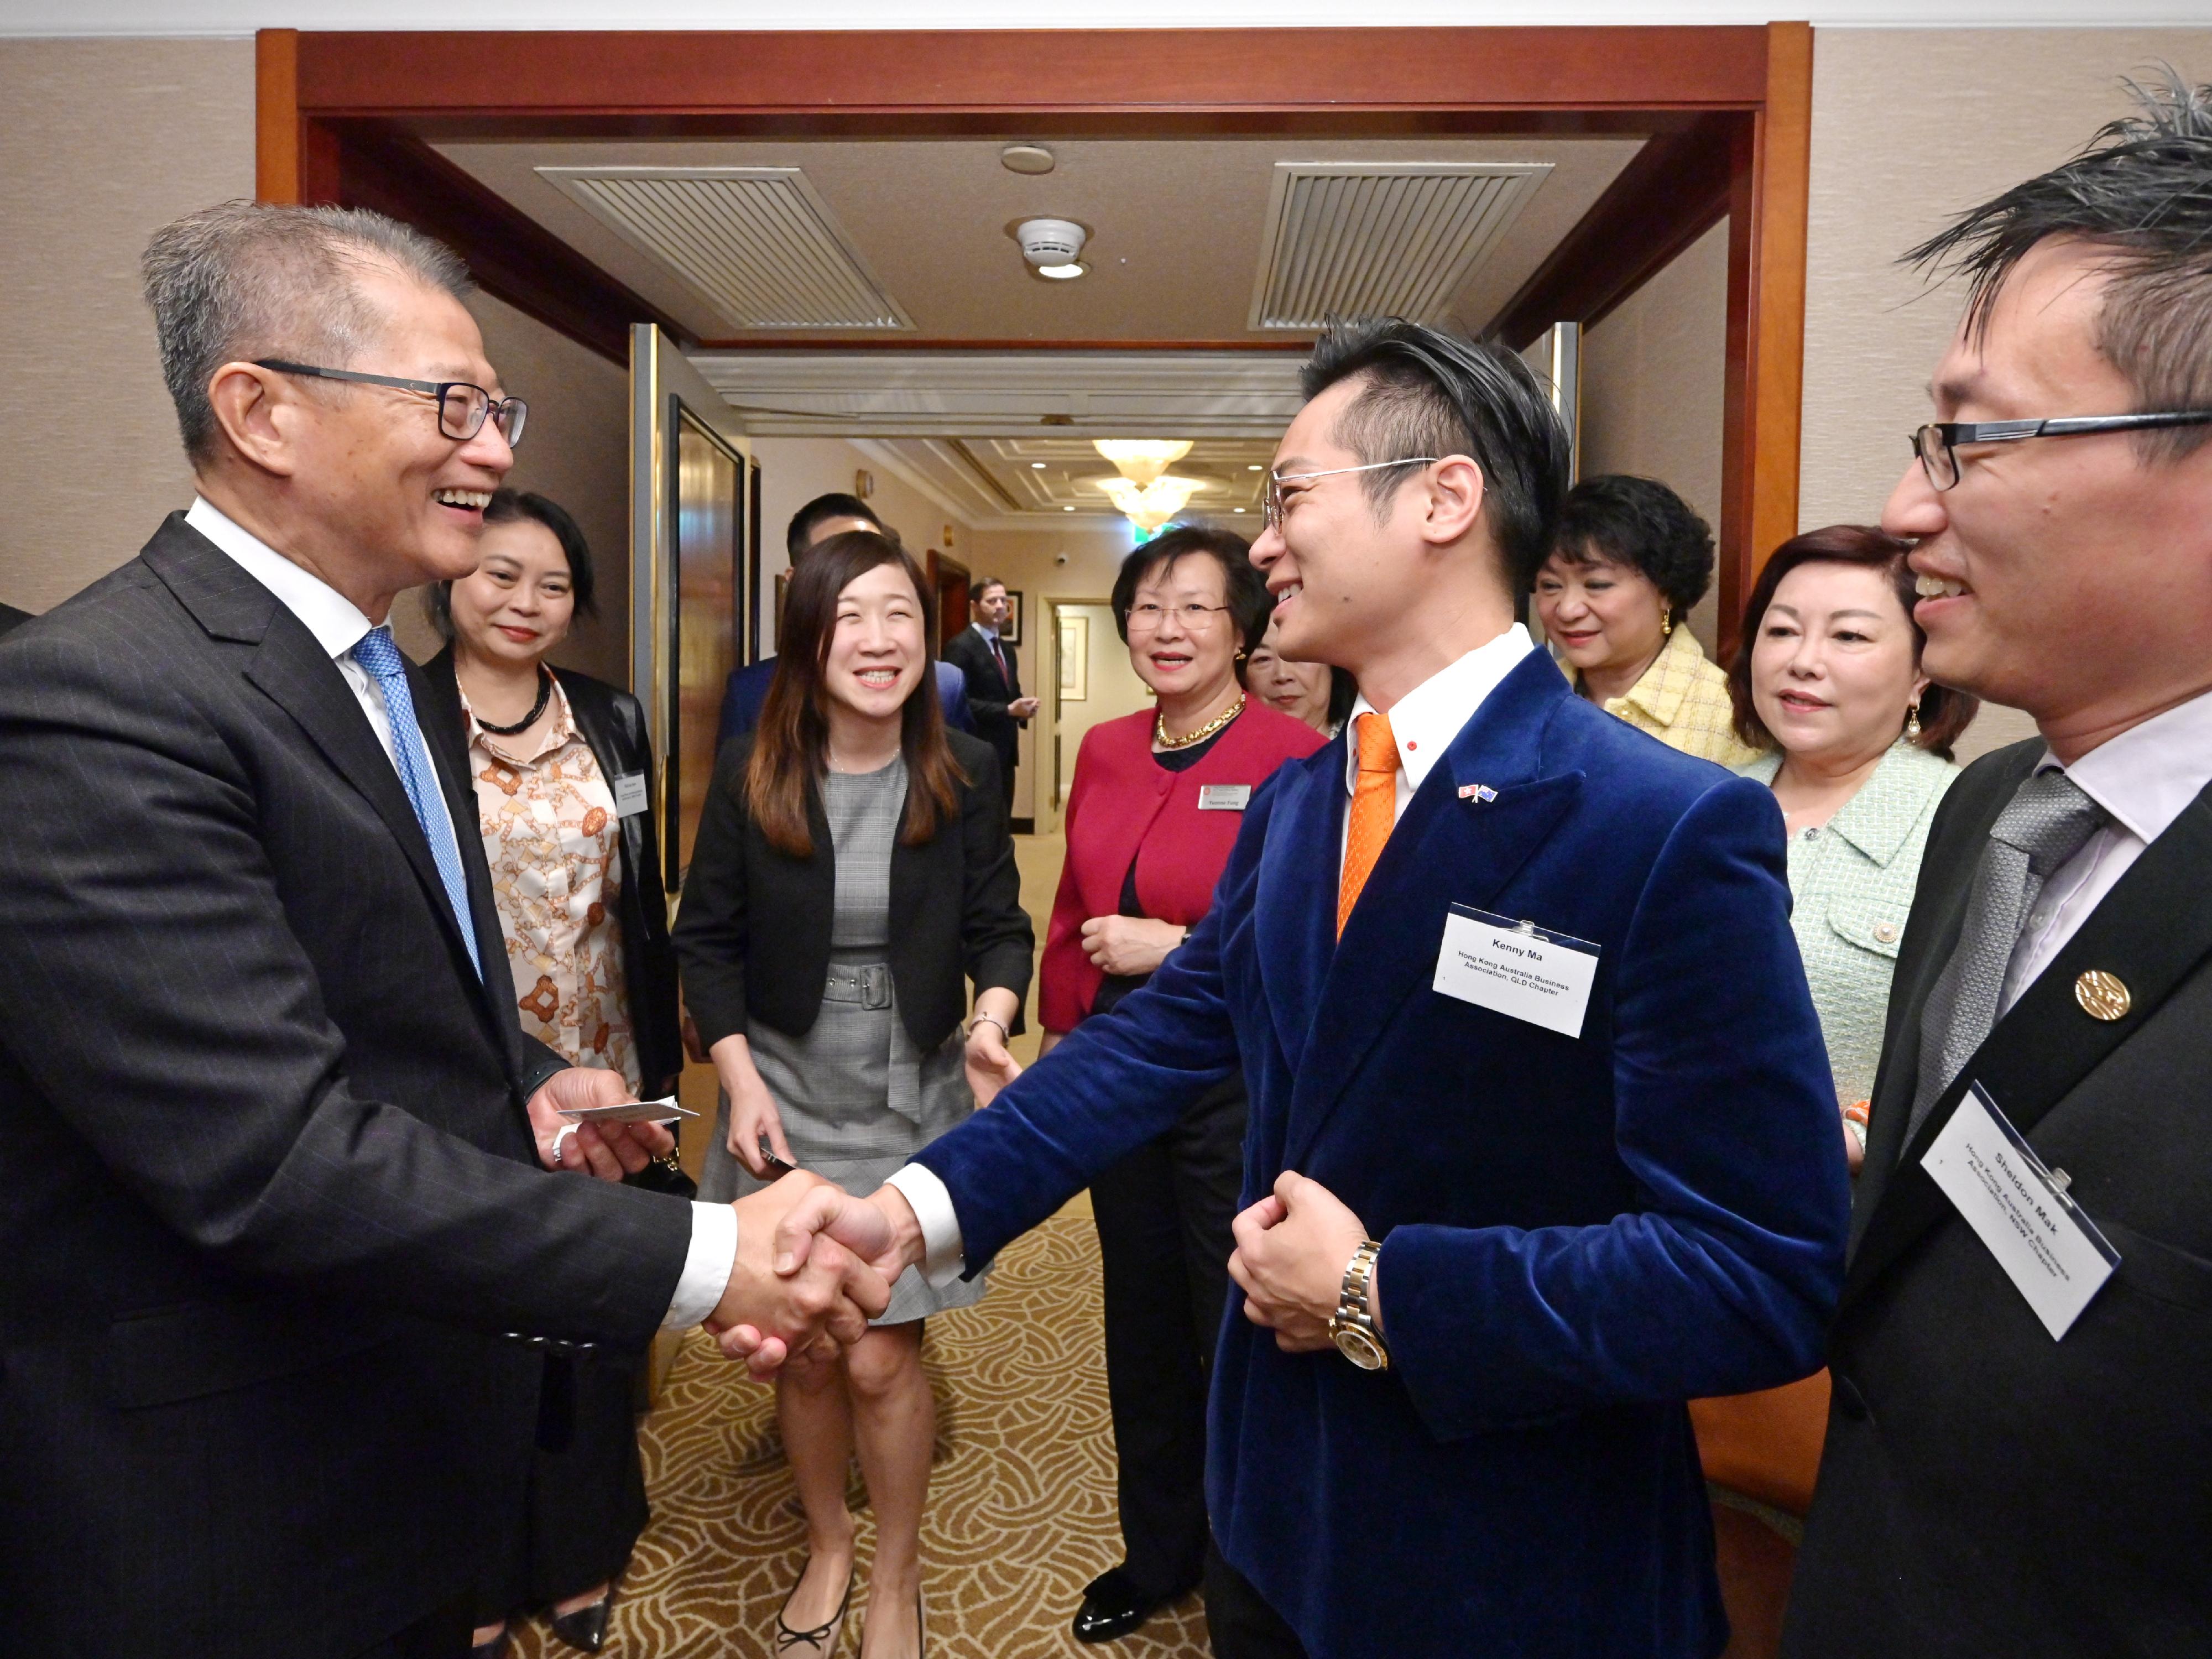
271	1138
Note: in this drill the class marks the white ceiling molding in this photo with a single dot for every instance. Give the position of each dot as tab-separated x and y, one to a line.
757	243
241	17
1003	483
1380	239
987	394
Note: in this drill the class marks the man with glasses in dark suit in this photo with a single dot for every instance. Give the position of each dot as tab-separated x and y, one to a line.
2018	1450
281	1257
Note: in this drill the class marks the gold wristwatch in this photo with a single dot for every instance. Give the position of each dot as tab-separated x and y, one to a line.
1353	1330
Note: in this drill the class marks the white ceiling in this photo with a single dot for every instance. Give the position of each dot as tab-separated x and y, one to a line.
1051	478
1179	230
1096	394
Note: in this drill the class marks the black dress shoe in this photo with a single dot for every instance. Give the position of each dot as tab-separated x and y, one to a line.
1113	1606
586	1627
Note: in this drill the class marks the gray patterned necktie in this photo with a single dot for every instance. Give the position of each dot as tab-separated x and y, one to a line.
2046	823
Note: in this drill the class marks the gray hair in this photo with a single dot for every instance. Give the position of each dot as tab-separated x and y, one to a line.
2142	192
245	280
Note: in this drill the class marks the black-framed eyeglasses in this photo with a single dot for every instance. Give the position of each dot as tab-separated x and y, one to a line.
1271	497
462	406
1936	443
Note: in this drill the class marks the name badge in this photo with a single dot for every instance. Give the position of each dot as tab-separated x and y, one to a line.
1516	968
2052	1252
629	793
1224	797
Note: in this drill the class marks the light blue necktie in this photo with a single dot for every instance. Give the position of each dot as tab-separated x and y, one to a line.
377	653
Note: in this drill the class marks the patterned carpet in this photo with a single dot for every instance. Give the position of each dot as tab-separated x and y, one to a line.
1021	1512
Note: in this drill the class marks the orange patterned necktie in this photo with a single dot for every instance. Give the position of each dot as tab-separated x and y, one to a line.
1374	811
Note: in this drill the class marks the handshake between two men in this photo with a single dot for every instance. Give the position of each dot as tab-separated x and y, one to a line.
814	1263
790	1292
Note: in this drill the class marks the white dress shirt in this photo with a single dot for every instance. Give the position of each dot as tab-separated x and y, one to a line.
338	626
1424	724
2144	777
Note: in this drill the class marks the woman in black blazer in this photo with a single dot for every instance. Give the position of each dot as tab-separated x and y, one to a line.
854	869
559	761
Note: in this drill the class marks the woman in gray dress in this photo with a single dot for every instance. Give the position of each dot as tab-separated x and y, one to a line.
853	871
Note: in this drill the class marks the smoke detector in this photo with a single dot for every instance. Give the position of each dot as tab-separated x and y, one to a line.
1053	247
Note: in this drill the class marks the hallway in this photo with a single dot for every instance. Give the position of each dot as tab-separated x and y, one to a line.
1021	1512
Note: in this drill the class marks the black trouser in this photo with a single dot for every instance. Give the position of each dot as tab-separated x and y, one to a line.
1162	1215
1239	1623
440	1635
578	1508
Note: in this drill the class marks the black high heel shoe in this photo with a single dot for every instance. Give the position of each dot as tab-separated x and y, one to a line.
586	1627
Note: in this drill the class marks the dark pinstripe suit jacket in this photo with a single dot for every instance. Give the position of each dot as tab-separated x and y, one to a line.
269	1192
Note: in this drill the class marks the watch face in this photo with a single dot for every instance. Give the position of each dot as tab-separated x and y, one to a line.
1361	1349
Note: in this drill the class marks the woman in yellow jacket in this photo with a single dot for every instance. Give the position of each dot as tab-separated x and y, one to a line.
1628	561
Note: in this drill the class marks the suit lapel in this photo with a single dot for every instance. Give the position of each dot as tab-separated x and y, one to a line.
1939	910
1294	919
2152	931
1447	848
438	711
301	679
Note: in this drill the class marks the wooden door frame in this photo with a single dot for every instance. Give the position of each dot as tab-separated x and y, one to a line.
351	118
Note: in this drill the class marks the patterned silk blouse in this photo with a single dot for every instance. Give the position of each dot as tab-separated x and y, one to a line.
1683	701
554	844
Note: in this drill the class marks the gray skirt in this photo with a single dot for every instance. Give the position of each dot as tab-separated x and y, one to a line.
858	1099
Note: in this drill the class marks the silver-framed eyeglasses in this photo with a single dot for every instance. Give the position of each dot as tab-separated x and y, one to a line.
462	406
1936	443
1271	499
1195	618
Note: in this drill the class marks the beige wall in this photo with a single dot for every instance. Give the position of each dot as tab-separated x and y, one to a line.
1909	127
1654	379
794	471
107	141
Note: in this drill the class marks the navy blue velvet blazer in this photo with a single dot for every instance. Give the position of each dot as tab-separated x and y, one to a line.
1579	1234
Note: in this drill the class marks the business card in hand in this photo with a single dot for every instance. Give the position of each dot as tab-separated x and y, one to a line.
665	1110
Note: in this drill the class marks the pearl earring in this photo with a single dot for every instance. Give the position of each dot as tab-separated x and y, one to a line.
1665	620
1912	722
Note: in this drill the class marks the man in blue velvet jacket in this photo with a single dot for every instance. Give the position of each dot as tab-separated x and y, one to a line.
1586	1217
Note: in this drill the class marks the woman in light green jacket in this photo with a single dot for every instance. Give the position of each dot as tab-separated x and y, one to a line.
1828	678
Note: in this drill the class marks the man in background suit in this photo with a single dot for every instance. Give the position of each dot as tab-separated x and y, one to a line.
994	681
746	692
270	1132
1987	1488
1496	1236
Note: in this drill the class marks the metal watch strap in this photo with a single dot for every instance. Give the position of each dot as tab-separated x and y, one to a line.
1352	1314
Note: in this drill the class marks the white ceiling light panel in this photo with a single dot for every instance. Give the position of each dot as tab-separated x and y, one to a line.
755	243
1376	239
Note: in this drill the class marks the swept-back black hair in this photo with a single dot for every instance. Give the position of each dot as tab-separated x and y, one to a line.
1642	523
798	535
2141	190
1429	392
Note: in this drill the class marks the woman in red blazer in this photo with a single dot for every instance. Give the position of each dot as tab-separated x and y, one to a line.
1157	799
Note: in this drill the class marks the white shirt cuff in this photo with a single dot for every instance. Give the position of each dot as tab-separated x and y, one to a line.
707	1265
943	1259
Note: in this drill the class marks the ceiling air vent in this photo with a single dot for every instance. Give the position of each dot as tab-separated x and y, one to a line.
755	243
1376	239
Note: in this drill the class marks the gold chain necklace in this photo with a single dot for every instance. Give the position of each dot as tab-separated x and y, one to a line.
1160	726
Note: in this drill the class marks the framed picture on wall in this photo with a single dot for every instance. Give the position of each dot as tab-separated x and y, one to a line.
1074	659
1011	633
